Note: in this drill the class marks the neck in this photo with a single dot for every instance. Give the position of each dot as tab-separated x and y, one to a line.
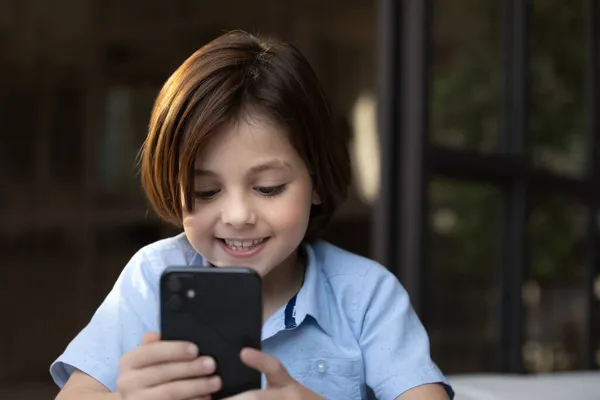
282	283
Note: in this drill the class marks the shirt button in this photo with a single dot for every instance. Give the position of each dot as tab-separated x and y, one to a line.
321	367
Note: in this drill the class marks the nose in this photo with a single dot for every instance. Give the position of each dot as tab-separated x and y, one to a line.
237	211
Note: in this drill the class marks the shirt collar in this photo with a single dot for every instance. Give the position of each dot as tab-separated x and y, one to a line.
198	261
312	297
311	300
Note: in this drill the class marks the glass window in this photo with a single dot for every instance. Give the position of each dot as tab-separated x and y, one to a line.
558	118
126	120
462	289
465	91
554	296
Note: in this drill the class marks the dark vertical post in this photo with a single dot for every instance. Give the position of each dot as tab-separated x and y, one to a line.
388	121
592	267
515	21
403	104
412	180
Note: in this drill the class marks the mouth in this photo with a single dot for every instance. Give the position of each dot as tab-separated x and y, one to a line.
243	248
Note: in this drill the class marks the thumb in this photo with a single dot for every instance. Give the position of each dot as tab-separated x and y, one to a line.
150	337
276	374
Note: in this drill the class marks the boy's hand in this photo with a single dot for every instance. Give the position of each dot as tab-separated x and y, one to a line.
166	370
280	385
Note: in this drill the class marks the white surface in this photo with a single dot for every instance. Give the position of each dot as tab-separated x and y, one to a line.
558	386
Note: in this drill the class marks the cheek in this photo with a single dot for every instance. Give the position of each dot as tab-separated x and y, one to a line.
290	214
195	221
187	218
190	229
287	217
188	222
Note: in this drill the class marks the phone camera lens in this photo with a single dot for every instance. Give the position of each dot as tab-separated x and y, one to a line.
174	284
174	303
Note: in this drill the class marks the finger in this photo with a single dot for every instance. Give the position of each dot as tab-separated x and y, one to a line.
274	371
150	337
162	373
183	389
157	353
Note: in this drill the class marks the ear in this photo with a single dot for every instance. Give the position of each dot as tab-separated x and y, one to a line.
316	199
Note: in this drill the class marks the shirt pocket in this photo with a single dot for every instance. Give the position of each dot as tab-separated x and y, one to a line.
333	378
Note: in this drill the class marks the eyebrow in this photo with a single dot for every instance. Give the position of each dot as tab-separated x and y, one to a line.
267	166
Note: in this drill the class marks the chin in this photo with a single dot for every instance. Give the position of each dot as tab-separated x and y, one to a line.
262	272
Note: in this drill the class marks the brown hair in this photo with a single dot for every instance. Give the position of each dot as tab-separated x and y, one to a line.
216	86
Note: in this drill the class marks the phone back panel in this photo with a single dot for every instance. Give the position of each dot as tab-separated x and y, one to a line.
220	310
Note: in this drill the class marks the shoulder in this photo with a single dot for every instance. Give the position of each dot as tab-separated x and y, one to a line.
150	261
175	250
337	263
357	284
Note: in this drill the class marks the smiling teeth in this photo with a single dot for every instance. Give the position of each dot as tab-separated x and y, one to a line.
242	244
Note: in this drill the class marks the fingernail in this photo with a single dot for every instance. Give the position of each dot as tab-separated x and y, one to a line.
215	382
192	350
208	363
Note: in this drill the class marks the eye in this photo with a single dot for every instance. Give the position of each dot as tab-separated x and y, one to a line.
206	194
270	191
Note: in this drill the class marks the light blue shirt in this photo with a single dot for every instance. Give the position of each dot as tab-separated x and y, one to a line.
350	326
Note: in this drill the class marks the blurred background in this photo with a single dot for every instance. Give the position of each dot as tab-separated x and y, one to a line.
486	202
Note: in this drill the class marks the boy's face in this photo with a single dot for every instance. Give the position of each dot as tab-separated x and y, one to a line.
253	195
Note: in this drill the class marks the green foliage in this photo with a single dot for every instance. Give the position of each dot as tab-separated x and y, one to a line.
466	113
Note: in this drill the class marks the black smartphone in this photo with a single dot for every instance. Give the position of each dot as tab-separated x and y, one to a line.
220	310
